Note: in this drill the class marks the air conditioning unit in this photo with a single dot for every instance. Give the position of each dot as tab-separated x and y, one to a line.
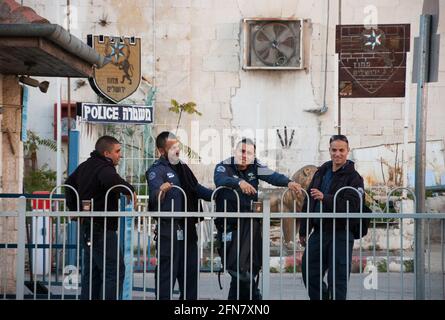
273	44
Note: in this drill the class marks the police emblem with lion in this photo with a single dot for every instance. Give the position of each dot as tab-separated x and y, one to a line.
121	77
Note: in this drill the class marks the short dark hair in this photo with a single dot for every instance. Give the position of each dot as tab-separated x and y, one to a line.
162	138
339	137
247	141
105	143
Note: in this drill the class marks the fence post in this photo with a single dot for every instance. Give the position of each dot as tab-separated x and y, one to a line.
21	236
421	118
266	248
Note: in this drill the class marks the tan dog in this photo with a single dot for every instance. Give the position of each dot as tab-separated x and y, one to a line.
304	177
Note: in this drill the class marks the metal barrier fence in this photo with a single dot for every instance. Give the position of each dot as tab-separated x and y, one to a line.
377	266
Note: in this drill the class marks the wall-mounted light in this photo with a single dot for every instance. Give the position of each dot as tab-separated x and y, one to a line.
43	86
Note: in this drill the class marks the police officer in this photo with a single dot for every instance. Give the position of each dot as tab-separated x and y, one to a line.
242	174
166	172
92	179
330	177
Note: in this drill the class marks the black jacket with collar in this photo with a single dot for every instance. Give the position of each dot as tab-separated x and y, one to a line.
345	176
92	179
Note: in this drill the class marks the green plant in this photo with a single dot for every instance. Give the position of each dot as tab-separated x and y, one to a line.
409	265
273	270
42	179
32	144
179	108
382	266
190	108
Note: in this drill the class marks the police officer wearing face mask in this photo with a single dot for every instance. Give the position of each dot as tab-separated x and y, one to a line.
242	174
166	172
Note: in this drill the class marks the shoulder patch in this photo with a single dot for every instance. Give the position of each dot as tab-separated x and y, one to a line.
152	175
170	174
221	169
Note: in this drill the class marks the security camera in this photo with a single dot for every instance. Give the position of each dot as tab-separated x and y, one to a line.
43	86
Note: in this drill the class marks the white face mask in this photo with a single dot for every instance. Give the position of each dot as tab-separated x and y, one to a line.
173	154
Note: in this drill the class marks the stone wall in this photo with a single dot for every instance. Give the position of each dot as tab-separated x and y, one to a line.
11	173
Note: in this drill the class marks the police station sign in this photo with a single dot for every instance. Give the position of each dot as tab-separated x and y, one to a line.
115	113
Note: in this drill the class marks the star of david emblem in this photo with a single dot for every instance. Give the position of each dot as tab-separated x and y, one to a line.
116	51
373	39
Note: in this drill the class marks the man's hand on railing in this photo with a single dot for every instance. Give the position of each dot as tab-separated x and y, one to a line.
294	186
247	188
165	187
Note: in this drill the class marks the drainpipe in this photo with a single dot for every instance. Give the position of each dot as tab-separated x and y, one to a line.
68	22
324	108
154	49
337	116
405	157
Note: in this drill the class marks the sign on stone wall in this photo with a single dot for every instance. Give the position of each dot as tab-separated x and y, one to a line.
115	113
121	77
372	61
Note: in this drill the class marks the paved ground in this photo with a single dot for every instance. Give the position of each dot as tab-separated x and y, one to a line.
290	287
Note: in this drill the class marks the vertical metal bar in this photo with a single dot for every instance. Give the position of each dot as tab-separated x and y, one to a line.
56	243
294	224
281	259
139	240
321	252
118	255
104	271
225	235
333	257
251	264
387	257
429	257
78	256
307	252
361	260
347	250
64	253
266	249
91	256
44	231
401	260
50	255
159	257
185	258
421	118
21	236
211	247
443	256
34	259
198	262
131	254
307	245
144	246
373	252
5	270
237	258
172	240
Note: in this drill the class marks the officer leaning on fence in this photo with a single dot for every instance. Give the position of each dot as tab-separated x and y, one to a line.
166	172
92	179
330	177
242	174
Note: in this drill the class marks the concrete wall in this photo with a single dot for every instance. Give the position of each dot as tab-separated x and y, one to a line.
192	51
